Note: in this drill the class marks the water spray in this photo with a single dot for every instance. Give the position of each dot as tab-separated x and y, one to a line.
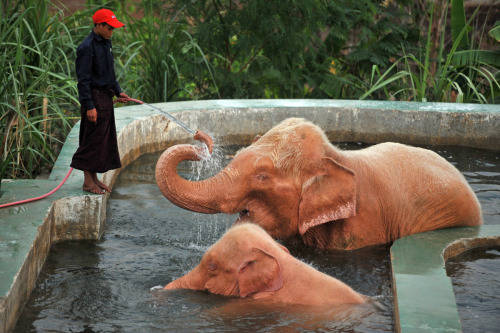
166	114
198	135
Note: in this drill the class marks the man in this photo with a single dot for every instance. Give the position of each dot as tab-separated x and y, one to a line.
98	147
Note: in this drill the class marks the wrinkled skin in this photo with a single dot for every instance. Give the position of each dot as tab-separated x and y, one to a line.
292	181
246	262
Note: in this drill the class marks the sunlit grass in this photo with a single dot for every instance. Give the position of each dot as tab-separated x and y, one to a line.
463	76
38	96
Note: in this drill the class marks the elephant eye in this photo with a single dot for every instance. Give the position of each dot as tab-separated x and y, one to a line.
212	266
245	213
261	176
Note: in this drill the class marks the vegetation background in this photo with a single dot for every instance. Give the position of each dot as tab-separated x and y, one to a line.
399	50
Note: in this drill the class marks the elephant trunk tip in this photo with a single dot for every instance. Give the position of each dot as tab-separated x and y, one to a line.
205	138
172	285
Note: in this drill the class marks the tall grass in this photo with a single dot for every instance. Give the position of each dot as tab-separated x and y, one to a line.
38	96
158	59
460	75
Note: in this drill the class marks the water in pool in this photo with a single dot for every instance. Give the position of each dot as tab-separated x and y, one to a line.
108	285
475	282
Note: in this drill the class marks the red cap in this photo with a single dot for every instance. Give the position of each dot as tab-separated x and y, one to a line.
107	16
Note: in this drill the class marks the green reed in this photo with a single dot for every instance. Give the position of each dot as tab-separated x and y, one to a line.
157	59
38	96
461	73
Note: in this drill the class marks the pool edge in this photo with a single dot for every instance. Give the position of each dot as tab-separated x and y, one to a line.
424	300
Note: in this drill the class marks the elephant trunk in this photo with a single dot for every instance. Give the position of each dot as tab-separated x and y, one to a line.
203	196
177	284
193	280
204	137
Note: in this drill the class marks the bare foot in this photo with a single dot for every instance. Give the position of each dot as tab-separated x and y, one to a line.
102	185
96	181
93	189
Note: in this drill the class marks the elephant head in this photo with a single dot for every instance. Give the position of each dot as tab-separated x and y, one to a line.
289	180
243	262
247	262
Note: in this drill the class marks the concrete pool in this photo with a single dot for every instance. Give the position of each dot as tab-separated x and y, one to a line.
28	231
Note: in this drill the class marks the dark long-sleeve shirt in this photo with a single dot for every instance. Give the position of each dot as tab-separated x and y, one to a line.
95	68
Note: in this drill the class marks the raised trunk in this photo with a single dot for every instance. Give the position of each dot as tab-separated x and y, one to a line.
205	196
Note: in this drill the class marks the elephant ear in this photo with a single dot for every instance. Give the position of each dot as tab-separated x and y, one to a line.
256	138
329	195
260	272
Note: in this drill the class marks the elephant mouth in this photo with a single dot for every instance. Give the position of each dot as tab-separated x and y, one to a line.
243	215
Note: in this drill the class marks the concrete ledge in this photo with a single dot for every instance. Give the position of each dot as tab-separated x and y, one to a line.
237	121
80	217
424	300
27	231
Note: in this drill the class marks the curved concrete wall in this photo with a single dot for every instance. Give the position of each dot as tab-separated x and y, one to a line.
72	213
424	300
237	122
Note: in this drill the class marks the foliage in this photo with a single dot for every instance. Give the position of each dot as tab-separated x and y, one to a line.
37	91
163	61
495	32
463	73
377	30
285	49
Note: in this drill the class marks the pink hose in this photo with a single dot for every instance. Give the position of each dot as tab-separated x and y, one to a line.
40	197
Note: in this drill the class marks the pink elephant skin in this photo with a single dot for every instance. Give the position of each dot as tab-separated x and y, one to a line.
293	182
248	263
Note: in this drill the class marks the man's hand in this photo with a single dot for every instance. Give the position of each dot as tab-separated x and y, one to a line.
92	115
123	98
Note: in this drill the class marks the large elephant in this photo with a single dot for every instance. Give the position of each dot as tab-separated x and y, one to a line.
246	262
293	181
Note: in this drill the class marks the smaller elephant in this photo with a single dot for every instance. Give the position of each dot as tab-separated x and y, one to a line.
248	263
